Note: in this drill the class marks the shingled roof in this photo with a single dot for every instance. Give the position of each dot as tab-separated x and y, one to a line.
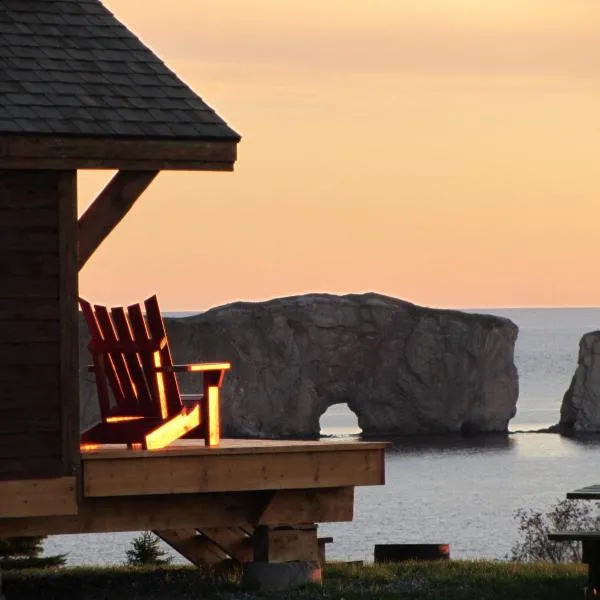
69	68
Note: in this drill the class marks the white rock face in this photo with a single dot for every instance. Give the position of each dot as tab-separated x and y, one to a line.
403	369
580	410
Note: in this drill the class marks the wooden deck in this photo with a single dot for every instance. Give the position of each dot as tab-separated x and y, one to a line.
243	483
188	466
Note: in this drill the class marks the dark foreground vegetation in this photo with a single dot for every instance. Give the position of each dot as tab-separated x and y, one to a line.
451	580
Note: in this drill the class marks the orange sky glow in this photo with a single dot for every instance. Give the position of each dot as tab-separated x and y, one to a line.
440	151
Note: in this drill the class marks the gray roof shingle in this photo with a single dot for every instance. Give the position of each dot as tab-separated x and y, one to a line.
68	67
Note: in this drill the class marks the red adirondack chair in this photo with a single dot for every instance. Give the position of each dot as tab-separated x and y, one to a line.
132	362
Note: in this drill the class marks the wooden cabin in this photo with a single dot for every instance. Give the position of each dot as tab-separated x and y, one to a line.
78	91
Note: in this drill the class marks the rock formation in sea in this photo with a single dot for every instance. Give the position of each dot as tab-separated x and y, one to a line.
403	369
580	409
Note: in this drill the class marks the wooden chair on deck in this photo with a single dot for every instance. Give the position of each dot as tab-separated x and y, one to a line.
131	358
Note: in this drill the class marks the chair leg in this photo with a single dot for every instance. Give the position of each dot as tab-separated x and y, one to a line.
172	430
591	556
211	417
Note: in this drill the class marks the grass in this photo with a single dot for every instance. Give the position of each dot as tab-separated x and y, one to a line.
452	580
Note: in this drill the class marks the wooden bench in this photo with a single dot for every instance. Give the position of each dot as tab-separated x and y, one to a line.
590	542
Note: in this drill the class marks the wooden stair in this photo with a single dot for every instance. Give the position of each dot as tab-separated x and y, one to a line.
210	546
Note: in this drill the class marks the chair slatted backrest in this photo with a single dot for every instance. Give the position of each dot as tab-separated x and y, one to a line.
143	386
127	349
157	331
102	364
128	402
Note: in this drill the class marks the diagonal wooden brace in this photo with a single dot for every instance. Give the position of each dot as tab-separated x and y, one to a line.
109	208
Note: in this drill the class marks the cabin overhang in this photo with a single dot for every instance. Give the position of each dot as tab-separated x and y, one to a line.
43	152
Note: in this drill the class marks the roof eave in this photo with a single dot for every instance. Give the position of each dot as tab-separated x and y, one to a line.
74	152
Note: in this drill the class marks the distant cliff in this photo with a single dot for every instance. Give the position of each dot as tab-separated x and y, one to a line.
403	369
580	409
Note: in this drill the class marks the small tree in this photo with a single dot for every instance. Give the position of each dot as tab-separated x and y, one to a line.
534	528
146	551
24	553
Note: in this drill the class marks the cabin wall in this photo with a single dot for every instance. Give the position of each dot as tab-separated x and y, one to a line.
38	324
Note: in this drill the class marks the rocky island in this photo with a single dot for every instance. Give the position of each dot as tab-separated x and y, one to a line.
580	409
403	369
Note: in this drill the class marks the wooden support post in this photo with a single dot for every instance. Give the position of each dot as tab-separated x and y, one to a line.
109	208
69	339
285	544
284	558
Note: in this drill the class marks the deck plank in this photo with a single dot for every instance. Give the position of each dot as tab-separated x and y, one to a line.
195	447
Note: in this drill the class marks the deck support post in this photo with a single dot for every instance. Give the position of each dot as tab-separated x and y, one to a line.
284	557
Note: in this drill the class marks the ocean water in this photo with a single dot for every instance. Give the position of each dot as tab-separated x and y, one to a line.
452	490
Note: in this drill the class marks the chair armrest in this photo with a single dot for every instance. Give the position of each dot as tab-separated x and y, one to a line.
196	367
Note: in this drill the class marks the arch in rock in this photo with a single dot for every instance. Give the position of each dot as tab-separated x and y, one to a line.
339	418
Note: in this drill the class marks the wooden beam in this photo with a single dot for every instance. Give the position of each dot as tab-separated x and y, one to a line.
186	511
54	152
145	513
191	545
211	546
217	472
109	208
38	497
51	164
68	321
300	506
235	541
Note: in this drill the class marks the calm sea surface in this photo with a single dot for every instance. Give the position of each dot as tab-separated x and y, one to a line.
449	490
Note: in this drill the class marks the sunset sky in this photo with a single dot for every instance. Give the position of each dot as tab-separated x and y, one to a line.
441	151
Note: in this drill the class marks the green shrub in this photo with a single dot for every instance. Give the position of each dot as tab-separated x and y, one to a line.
146	551
24	553
534	528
